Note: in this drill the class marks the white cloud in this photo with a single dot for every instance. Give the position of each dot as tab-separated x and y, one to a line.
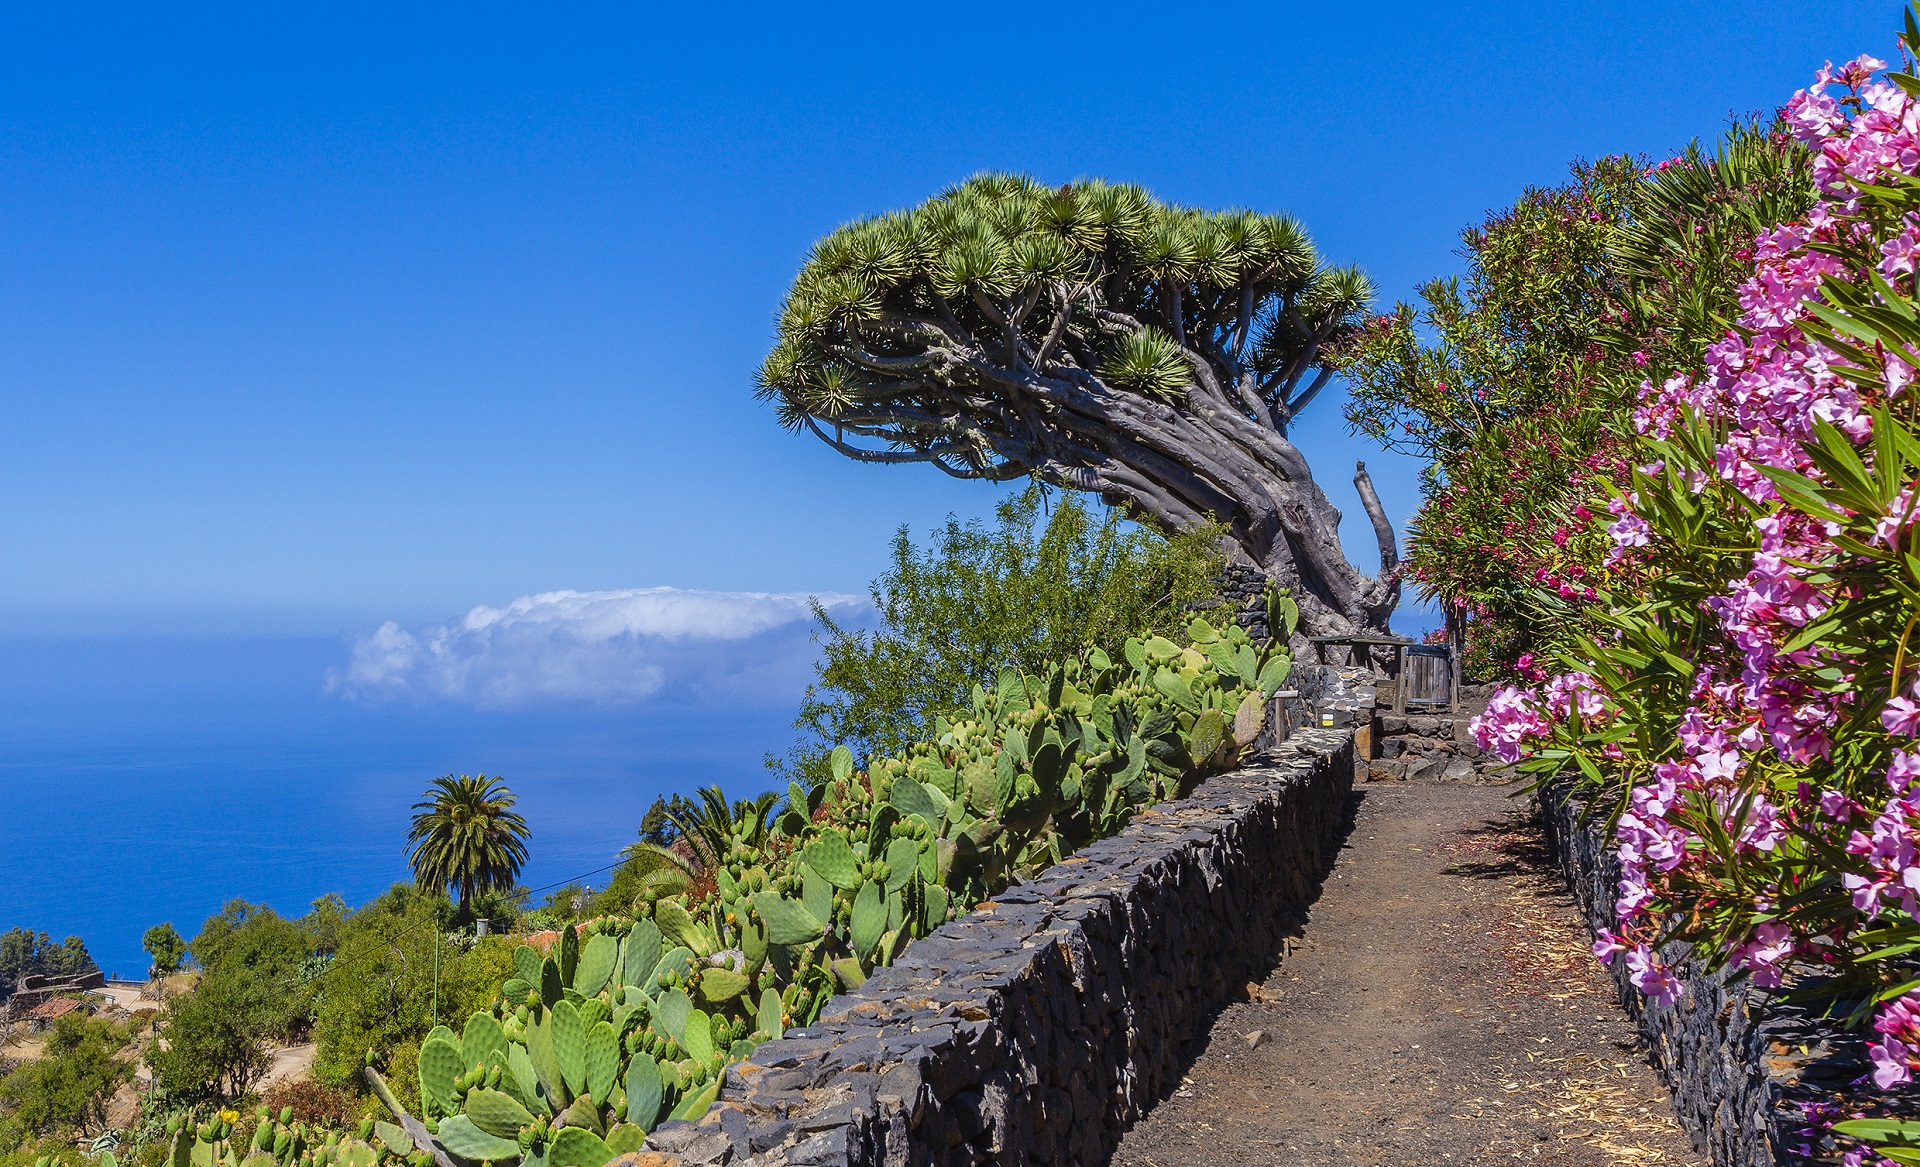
608	648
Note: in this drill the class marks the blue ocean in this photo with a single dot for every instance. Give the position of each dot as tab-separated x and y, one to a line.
153	779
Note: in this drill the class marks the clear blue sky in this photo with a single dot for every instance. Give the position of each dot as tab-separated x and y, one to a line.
310	317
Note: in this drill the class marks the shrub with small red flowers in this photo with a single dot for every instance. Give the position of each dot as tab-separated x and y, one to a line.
1517	382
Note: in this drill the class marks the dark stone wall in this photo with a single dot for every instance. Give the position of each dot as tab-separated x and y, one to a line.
1245	588
1743	1063
1035	1029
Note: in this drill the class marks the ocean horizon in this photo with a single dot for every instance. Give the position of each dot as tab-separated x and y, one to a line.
152	779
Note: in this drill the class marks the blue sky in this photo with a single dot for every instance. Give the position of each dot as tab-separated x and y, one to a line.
316	317
369	377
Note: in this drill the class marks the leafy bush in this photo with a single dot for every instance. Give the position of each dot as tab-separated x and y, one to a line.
378	992
1517	384
1751	701
981	598
69	1085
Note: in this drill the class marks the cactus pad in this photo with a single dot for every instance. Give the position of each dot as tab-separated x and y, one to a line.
697	1037
642	955
848	973
440	1066
592	1010
460	1136
903	856
869	918
670	1014
817	894
546	1064
579	1148
679	928
694	1105
570	1046
581	1114
603	1060
497	1114
596	965
788	922
677	961
644	1090
910	797
626	1139
567	951
521	1082
832	858
483	1042
720	985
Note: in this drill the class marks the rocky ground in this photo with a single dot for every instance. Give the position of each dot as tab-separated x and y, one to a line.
1441	1007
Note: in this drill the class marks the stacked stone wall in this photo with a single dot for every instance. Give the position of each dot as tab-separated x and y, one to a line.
1036	1028
1743	1063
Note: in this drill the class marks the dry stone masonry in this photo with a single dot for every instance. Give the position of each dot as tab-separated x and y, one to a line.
1036	1028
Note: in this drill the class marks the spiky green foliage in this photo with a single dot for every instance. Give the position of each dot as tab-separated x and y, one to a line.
714	826
466	836
1093	337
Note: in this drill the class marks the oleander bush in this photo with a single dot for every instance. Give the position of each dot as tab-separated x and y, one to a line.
1516	384
1747	700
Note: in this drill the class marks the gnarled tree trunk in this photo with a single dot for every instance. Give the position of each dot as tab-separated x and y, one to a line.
1095	339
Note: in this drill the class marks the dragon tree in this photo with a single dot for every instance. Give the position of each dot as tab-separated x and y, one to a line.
1097	339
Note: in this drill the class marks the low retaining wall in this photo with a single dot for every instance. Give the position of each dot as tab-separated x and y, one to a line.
1037	1028
1743	1063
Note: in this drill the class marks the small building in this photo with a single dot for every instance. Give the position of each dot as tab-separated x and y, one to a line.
43	1015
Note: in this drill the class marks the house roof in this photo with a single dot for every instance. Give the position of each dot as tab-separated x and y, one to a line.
52	1008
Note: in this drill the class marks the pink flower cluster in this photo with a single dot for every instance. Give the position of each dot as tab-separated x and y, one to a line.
1765	694
1512	719
1892	872
1898	1051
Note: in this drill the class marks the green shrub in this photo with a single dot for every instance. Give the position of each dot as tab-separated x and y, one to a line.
1517	383
67	1088
981	598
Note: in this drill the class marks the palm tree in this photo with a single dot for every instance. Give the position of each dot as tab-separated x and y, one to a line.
713	827
465	837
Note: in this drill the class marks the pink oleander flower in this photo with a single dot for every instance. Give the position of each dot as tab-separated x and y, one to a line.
1891	1063
1765	955
1655	981
1764	829
1901	716
1606	946
1902	770
1511	719
1897	254
1836	805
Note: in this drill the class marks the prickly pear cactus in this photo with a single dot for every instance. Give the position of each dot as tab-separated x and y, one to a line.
624	1024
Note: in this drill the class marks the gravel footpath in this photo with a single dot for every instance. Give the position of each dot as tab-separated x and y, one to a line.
1441	1007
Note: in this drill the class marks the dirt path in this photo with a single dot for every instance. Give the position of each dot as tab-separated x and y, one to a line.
1442	1007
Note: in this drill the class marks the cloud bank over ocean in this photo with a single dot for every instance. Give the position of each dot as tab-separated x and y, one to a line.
604	648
